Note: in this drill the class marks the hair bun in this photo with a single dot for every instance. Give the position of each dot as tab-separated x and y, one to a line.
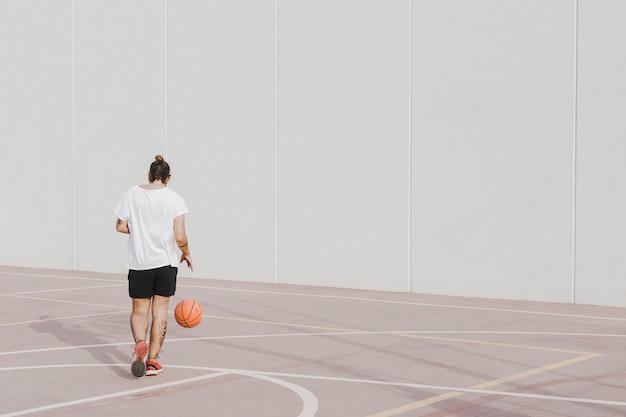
158	158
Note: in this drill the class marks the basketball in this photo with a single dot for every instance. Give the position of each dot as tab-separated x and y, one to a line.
188	313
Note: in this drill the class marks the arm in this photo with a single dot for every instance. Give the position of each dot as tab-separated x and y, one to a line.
122	226
181	240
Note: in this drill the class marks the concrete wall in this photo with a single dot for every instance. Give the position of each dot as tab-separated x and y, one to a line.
494	100
463	147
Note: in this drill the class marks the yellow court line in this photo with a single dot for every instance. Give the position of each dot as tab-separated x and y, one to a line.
304	326
482	342
214	317
277	323
45	276
391	333
60	318
442	397
48	291
418	404
536	371
412	406
398	334
30	297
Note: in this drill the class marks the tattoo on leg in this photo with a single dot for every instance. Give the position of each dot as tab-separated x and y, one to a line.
163	329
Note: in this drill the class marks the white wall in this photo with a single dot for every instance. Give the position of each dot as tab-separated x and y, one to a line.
119	115
343	143
493	130
222	133
465	147
601	172
36	204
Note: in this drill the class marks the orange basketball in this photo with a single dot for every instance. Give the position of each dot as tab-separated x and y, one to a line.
188	313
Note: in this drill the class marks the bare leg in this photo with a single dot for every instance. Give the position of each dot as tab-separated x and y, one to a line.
139	328
139	318
159	325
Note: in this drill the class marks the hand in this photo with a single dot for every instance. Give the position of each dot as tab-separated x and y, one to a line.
187	258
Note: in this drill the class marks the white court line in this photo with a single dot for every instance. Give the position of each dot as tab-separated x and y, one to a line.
80	316
497	332
413	303
169	340
84	278
60	348
322	334
309	401
444	388
62	289
363	299
99	397
412	332
23	294
391	332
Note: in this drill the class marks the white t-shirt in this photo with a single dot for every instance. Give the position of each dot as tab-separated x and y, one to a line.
150	215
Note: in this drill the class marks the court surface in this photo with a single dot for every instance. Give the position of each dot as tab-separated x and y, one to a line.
268	350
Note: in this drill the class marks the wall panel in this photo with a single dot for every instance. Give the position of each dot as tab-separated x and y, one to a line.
36	207
343	141
493	105
222	134
601	200
120	116
439	146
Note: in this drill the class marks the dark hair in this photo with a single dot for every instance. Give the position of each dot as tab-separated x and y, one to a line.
159	170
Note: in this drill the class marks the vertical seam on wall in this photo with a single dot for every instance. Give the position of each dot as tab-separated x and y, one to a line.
73	139
574	152
166	83
277	280
410	146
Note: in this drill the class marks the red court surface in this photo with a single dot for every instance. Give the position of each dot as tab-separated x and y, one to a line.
268	350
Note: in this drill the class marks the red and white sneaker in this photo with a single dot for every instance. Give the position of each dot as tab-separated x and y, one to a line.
153	368
138	367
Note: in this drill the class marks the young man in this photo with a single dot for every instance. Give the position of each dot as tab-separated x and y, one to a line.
154	218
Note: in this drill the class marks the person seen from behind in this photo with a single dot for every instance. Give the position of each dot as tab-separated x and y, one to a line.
154	218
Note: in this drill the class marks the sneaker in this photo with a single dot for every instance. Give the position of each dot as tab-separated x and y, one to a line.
138	367
153	368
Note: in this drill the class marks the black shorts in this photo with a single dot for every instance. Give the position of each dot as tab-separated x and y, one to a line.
158	281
